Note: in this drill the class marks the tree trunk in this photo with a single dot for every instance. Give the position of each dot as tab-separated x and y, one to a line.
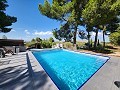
89	40
74	37
104	29
95	42
103	39
91	43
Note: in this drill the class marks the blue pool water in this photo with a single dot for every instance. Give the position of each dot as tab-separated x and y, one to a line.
69	70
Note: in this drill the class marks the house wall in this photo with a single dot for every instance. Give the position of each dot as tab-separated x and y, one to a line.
11	42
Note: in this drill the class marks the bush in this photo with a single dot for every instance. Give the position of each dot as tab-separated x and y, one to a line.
68	45
115	38
105	51
100	49
29	44
43	44
46	44
80	44
54	43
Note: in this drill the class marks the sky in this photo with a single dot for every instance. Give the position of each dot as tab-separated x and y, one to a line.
30	23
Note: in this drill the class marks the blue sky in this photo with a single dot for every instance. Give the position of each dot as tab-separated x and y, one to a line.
30	23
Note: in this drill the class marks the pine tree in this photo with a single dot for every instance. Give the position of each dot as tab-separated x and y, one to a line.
100	13
65	11
5	20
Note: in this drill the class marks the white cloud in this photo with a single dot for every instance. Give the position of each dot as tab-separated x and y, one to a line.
100	36
27	32
13	30
42	33
100	33
93	33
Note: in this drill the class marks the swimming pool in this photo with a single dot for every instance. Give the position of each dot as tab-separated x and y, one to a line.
69	70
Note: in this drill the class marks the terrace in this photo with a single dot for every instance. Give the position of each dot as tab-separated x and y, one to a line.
81	26
22	71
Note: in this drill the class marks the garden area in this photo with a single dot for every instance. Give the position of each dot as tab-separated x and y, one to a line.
93	15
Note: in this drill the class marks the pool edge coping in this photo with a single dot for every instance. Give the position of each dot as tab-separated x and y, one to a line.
94	55
36	61
108	58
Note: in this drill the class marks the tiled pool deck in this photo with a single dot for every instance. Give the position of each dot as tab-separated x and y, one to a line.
20	72
23	72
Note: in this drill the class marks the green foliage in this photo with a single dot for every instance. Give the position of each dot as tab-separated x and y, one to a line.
54	43
100	49
80	45
113	25
38	39
94	15
115	38
30	44
5	20
3	5
51	39
46	44
57	10
100	12
33	40
4	37
116	7
56	34
68	12
82	34
63	33
43	43
68	45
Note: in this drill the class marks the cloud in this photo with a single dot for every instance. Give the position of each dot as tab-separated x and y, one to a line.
42	33
100	36
27	32
13	30
100	33
93	33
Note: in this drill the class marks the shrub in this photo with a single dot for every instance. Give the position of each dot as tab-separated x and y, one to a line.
80	44
68	45
115	38
46	44
29	44
100	49
43	44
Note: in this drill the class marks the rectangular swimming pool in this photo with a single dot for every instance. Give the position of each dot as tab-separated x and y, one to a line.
69	70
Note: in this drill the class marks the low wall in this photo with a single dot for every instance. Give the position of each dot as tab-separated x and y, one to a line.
13	48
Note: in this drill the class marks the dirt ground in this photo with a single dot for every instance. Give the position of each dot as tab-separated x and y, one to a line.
116	52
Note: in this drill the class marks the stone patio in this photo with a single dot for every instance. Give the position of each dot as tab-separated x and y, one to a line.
23	72
105	77
18	72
